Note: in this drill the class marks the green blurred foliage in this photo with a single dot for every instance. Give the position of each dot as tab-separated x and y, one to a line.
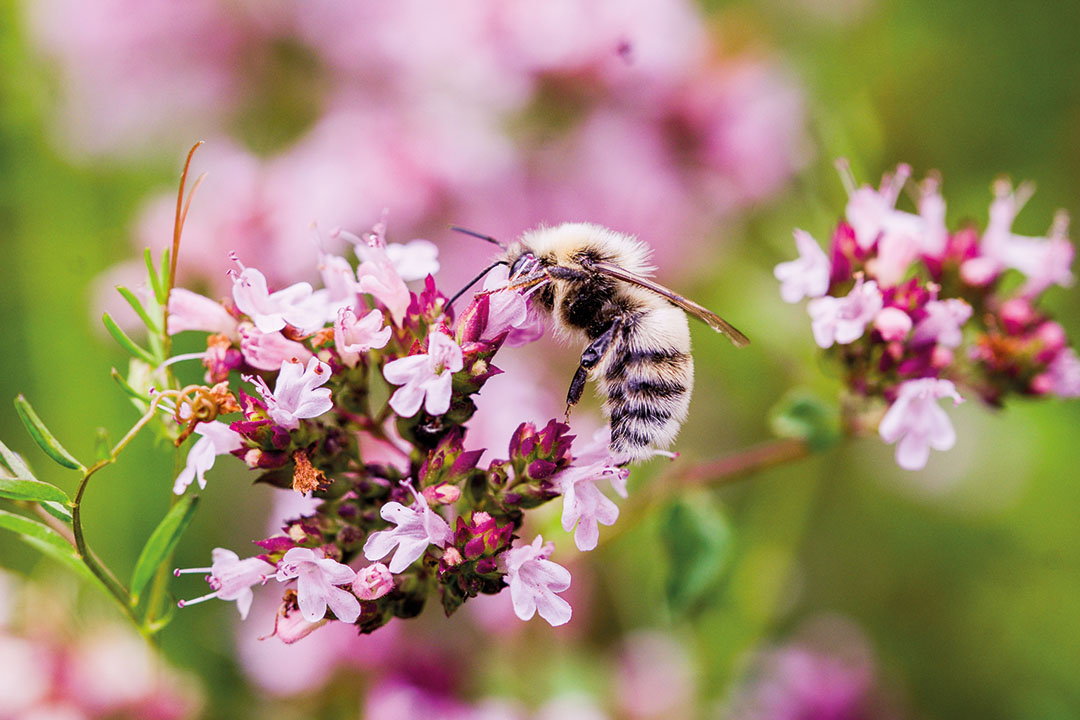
966	577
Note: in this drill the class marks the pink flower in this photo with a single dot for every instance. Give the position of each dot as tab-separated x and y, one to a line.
806	277
272	311
843	320
377	274
231	578
340	287
316	578
1045	261
296	394
1063	374
425	379
373	582
216	438
510	310
354	336
414	260
534	581
917	423
943	323
417	527
191	311
873	214
893	324
269	350
583	503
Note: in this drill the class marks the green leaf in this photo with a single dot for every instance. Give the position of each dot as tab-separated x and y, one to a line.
14	465
125	342
127	388
46	540
155	281
136	305
697	540
161	543
803	416
102	444
31	490
43	437
163	278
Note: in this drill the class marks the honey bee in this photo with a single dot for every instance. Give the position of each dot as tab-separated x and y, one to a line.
594	284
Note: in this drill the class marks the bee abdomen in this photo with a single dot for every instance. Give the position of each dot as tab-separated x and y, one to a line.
648	394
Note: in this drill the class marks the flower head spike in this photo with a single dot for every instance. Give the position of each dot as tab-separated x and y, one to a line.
806	277
317	578
216	438
354	336
843	320
231	578
296	394
425	379
534	581
417	527
917	423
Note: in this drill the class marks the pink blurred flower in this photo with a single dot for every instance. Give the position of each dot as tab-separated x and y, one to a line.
191	311
316	580
1045	261
1063	374
943	322
26	679
353	336
917	423
655	677
893	324
414	260
417	527
534	581
296	394
425	379
806	277
215	438
843	320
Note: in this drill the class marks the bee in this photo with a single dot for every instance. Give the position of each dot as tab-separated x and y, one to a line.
595	285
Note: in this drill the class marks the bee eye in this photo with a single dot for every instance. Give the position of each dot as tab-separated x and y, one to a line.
521	263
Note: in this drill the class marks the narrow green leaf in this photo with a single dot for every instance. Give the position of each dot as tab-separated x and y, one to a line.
161	543
155	281
126	386
136	304
696	538
31	490
125	342
15	465
46	540
102	444
45	439
59	511
163	276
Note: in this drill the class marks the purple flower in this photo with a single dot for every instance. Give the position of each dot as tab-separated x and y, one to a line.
917	423
216	438
843	320
316	578
943	322
806	277
583	503
297	394
509	310
353	336
417	527
425	379
231	578
272	311
534	581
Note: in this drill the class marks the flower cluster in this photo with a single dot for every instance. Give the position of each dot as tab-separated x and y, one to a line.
359	393
915	313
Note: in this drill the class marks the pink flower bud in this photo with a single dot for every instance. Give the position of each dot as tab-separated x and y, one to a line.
1041	384
442	494
290	625
941	356
893	324
373	582
979	271
452	557
1016	314
1052	336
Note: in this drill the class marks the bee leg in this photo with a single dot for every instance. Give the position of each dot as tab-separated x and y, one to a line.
592	355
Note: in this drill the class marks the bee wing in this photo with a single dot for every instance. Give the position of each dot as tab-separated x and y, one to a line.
713	320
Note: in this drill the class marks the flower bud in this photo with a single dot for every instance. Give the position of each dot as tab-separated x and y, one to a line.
893	324
442	494
373	582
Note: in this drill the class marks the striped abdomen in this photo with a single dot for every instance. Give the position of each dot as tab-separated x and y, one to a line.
646	379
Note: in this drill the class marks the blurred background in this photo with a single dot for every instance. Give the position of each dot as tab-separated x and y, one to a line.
834	587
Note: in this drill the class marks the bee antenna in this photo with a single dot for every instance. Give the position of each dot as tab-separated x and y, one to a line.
475	280
488	238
